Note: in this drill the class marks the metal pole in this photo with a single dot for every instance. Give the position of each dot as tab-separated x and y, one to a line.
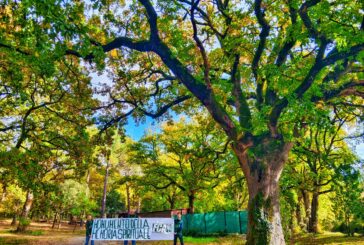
187	226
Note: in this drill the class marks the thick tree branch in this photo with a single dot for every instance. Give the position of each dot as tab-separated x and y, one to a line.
142	46
336	55
259	13
164	109
290	39
13	48
303	12
241	105
299	91
347	89
327	191
24	130
200	46
9	128
152	19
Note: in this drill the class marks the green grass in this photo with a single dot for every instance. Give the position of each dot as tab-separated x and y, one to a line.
35	233
12	241
27	232
197	240
328	238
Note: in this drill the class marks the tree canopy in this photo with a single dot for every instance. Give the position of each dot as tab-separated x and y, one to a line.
260	68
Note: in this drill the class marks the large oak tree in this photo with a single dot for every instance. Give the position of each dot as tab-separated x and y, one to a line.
257	66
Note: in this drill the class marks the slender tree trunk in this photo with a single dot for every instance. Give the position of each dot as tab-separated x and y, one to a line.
262	166
191	202
3	195
71	220
307	206
25	212
313	223
139	205
103	205
13	221
171	202
88	178
54	220
128	196
298	214
59	220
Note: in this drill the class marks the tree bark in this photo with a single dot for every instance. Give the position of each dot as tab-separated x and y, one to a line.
13	221
298	214
127	197
139	205
54	220
25	212
191	203
88	176
171	201
3	195
103	205
59	221
262	165
313	223
306	203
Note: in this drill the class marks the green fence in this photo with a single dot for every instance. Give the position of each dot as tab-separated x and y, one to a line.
217	222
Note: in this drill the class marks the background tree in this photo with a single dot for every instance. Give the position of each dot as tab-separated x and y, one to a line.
324	152
261	67
187	156
349	203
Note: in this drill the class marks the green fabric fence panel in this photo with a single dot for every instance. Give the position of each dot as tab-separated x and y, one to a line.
194	223
232	222
216	222
243	215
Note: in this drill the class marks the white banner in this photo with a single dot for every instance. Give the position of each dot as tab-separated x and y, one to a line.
133	229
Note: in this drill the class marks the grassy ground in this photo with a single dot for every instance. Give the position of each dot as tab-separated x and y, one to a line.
332	238
43	234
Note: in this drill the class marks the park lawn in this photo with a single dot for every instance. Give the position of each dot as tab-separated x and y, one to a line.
43	234
332	238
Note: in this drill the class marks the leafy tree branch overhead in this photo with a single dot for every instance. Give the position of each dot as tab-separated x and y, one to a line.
261	68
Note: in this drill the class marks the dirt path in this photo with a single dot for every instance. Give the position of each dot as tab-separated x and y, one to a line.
43	234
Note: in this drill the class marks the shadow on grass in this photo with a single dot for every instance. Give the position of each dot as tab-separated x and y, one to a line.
12	241
328	239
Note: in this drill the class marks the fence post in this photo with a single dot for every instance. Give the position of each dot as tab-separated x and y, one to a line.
241	232
187	226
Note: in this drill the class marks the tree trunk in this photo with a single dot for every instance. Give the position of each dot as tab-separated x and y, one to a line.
313	223
103	205
298	211
54	220
306	203
298	214
191	203
127	197
262	166
13	221
25	212
139	205
59	220
171	201
3	195
88	175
